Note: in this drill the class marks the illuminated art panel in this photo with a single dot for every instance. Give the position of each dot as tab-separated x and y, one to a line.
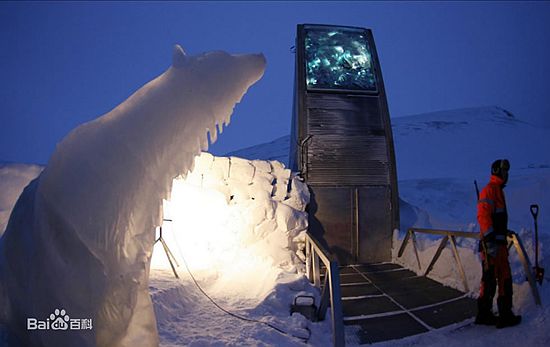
338	58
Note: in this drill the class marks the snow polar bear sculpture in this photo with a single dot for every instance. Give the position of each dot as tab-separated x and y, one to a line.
79	240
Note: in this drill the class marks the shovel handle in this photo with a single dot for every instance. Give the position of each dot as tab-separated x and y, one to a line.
535	210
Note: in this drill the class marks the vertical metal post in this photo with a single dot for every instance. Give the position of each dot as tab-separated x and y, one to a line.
325	299
336	305
316	270
413	236
308	260
356	222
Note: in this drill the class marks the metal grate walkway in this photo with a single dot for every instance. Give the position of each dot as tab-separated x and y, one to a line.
384	301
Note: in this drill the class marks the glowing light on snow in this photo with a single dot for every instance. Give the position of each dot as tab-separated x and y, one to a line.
231	226
213	236
201	224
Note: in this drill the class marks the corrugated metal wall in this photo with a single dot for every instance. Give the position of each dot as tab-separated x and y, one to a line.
348	143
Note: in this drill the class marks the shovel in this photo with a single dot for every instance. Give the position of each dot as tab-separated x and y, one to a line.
539	272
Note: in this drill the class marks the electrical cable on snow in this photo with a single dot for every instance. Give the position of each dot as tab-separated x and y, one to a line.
303	339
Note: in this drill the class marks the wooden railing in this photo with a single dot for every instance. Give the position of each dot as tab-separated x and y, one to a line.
331	293
513	239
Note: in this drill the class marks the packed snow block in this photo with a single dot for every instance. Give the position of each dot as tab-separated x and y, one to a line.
261	187
80	238
255	211
280	190
289	219
239	191
259	175
277	167
277	244
220	169
282	175
267	227
299	196
241	170
203	162
258	194
195	178
262	166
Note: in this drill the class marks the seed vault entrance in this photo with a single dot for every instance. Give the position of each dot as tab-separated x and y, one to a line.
342	142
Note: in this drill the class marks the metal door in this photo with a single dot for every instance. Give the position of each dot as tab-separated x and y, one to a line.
331	220
374	213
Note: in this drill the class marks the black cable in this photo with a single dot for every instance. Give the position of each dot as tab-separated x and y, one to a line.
303	339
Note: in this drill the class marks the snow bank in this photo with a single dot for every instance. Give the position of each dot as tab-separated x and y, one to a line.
80	237
237	223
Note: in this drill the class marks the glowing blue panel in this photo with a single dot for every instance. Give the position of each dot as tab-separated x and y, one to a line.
338	58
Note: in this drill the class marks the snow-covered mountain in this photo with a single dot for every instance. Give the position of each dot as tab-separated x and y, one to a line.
277	149
454	143
464	142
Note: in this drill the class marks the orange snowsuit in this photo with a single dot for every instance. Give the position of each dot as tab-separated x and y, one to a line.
492	217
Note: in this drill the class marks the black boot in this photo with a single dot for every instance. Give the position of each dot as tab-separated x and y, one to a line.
485	315
506	318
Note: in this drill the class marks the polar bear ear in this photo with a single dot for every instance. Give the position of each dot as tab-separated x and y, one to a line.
179	58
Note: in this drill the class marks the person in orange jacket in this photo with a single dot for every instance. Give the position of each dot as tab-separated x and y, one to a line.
492	217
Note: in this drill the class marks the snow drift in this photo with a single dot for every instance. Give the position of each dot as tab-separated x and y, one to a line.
80	236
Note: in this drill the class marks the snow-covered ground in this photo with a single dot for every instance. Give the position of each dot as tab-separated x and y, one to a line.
438	157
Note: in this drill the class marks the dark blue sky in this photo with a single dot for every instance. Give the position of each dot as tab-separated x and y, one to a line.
65	63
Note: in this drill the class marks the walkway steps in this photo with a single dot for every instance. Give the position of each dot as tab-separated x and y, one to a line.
385	301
